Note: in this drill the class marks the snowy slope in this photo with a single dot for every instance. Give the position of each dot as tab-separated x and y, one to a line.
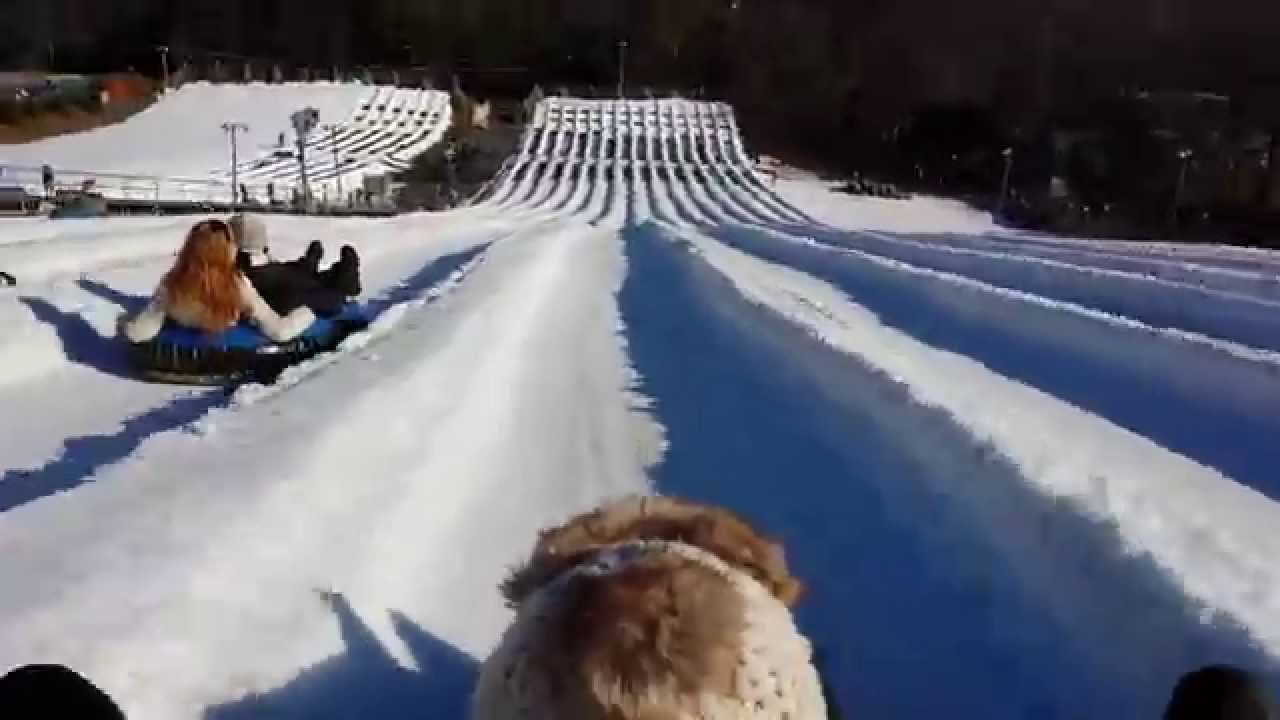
181	135
180	138
1034	476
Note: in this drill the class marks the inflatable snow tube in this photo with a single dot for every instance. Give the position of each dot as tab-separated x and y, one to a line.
189	357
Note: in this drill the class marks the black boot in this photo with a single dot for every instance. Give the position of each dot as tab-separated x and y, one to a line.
310	260
344	275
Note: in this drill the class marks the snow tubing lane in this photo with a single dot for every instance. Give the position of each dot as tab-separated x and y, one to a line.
189	357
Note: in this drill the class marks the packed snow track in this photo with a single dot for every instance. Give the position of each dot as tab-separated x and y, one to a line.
1022	476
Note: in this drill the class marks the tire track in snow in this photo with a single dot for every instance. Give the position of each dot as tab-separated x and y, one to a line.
927	552
1042	542
1240	318
1213	257
1215	565
66	443
1193	520
484	417
1191	272
1243	321
1146	381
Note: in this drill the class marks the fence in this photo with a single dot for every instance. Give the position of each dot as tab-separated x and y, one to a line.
138	187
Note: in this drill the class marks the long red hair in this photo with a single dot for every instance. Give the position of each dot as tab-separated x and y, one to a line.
205	281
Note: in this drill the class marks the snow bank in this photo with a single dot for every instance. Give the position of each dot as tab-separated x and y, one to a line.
28	348
920	214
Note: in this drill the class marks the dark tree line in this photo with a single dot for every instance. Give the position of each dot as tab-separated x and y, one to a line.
868	57
837	80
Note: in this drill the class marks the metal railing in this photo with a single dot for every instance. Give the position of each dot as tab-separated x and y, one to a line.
142	188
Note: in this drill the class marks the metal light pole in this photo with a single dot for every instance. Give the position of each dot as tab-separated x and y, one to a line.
337	166
231	128
304	121
164	64
1184	155
1004	183
622	68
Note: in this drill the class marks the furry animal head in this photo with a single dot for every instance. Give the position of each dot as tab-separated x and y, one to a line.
641	643
204	281
651	609
713	529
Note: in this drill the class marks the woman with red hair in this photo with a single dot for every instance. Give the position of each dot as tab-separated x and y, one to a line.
206	291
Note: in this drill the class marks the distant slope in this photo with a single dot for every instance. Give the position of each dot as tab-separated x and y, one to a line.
182	134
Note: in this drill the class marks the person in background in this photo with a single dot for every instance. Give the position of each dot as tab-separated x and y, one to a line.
206	291
46	179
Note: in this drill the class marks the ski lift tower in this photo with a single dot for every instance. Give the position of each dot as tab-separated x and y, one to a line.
304	121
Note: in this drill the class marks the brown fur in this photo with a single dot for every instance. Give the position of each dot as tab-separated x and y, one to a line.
664	623
713	529
204	281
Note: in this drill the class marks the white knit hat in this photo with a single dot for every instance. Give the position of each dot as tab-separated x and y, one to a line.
774	676
250	233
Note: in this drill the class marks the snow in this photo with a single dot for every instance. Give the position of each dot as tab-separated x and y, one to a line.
243	567
1187	522
920	214
181	135
1035	475
177	148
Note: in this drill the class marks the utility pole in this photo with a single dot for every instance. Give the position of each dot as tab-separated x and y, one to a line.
164	64
337	165
1184	155
231	128
304	121
622	68
1004	183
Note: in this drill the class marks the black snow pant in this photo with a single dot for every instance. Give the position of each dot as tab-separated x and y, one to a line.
289	286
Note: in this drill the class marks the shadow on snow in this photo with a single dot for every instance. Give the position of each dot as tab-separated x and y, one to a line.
81	342
82	457
940	583
434	273
366	681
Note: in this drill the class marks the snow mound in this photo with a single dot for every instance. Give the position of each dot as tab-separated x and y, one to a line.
921	214
28	348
